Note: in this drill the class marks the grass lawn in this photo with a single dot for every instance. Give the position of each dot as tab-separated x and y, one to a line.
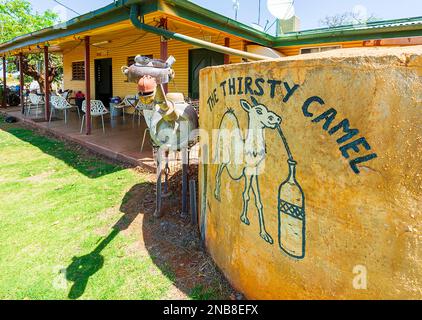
64	227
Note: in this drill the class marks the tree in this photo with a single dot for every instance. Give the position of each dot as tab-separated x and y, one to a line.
55	70
346	18
17	17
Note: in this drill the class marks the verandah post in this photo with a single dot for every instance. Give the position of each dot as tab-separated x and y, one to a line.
46	84
88	85
226	56
164	52
21	81
4	102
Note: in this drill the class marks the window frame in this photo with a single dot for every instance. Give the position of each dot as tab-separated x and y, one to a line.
78	76
334	47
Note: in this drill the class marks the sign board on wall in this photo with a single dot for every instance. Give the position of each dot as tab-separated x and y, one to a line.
102	53
311	179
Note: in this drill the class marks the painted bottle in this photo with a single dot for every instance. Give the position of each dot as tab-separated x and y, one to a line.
291	215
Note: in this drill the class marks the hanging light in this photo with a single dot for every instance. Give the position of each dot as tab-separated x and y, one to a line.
101	43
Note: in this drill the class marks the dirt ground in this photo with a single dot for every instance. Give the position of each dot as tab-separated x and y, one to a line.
173	243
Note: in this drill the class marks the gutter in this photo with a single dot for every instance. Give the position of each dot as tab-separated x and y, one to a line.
134	18
373	31
112	13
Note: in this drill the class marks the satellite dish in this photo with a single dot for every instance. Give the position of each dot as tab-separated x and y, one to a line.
281	9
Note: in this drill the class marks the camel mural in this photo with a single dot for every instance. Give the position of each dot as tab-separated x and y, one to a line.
253	150
244	159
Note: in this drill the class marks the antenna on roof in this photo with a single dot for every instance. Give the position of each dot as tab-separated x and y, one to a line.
236	5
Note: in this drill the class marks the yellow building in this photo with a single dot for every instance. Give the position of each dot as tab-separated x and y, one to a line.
357	208
116	35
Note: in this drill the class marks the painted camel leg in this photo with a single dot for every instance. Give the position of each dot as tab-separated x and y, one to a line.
217	191
246	198
258	203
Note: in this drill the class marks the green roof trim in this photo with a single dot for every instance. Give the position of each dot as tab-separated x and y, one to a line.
115	12
119	11
397	28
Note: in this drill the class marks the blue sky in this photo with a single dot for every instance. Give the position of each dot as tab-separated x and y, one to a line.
309	11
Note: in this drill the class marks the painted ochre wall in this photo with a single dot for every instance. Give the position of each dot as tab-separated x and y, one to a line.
371	219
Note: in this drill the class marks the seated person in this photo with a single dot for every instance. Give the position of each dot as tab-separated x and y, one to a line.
79	98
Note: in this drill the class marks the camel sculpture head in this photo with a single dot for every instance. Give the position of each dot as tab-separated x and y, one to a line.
260	116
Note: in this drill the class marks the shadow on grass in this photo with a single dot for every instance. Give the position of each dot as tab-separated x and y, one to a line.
82	268
90	167
172	243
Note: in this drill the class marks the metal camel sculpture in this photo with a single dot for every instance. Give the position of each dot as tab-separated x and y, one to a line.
171	121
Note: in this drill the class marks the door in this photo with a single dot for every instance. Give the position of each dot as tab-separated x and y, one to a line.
103	80
198	59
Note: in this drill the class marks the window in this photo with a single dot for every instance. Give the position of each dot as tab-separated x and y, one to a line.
131	59
318	49
78	70
309	50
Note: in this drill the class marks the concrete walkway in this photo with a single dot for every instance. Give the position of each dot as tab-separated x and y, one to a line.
121	141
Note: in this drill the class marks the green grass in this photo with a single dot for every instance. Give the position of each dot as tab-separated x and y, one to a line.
199	292
57	212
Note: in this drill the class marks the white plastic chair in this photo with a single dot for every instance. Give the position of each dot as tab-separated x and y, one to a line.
66	95
36	101
60	103
128	101
147	111
97	110
26	103
139	109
